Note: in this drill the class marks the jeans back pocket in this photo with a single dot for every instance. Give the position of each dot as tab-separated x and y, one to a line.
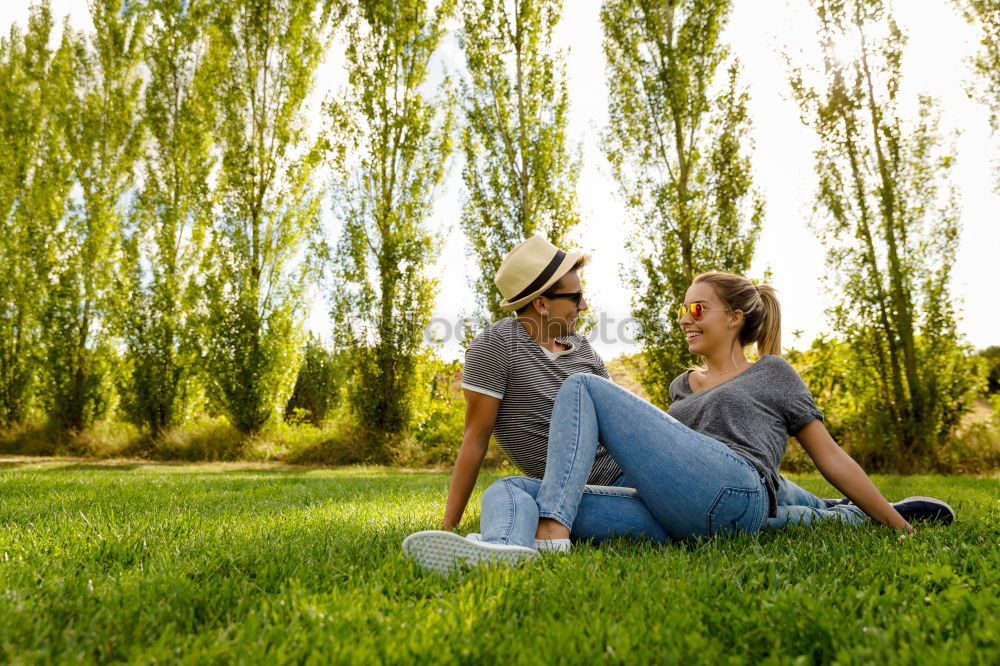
734	510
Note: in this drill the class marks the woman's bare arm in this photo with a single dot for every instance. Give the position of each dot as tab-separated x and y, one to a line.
847	476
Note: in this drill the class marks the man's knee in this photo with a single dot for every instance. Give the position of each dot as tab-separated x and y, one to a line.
507	486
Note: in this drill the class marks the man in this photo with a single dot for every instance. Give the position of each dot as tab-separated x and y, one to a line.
514	368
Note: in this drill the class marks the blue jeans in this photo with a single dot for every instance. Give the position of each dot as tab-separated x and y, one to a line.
678	483
797	506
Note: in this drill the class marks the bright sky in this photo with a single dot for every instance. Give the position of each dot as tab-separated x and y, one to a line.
940	42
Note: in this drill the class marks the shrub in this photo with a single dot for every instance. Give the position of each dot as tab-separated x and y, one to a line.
439	419
205	439
967	437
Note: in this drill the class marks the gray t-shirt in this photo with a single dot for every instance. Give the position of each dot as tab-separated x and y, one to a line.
504	362
754	413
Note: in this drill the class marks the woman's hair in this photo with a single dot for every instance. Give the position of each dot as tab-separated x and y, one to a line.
761	311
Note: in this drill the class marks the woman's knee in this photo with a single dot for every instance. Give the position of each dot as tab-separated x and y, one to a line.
573	382
581	379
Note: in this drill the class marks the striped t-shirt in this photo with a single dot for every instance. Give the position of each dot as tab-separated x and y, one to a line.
504	362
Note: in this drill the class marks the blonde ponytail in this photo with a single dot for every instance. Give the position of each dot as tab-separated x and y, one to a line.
768	336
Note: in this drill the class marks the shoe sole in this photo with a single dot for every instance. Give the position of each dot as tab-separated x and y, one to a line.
945	514
444	552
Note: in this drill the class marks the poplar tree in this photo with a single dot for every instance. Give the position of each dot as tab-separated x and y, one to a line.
677	140
104	136
165	240
35	182
891	234
391	142
520	171
260	261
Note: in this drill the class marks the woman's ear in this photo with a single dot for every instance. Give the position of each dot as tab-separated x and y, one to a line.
735	318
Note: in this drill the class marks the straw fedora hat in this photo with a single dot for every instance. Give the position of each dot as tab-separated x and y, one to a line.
530	269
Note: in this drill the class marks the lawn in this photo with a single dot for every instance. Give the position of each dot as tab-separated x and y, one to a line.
219	563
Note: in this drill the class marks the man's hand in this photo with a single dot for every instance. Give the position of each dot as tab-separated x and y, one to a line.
480	417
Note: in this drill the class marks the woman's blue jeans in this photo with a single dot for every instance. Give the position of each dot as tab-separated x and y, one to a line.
677	483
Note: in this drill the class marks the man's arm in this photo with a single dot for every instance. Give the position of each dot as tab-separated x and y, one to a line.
847	476
480	417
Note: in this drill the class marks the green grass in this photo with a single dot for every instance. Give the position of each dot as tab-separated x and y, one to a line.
219	563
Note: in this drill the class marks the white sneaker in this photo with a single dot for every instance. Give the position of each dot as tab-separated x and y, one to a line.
443	552
474	536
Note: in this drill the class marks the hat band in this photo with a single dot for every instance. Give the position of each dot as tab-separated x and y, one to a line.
543	277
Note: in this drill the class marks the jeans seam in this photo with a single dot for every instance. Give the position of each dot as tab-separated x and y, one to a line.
512	516
765	504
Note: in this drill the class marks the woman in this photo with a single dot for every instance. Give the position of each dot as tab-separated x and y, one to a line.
707	466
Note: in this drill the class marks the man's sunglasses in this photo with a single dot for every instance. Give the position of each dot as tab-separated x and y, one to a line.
576	297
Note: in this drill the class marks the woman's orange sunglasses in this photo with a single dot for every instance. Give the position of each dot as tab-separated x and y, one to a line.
697	311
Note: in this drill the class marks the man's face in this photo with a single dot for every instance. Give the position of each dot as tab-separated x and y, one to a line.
563	312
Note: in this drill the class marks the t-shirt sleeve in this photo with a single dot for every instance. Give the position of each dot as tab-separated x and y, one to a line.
798	407
487	364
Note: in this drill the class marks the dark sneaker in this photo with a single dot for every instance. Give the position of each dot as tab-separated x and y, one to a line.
925	508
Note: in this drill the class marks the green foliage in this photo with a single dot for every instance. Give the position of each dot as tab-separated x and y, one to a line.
678	151
164	243
827	369
391	144
891	236
439	422
318	384
104	136
35	183
259	262
520	173
990	358
306	567
844	392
